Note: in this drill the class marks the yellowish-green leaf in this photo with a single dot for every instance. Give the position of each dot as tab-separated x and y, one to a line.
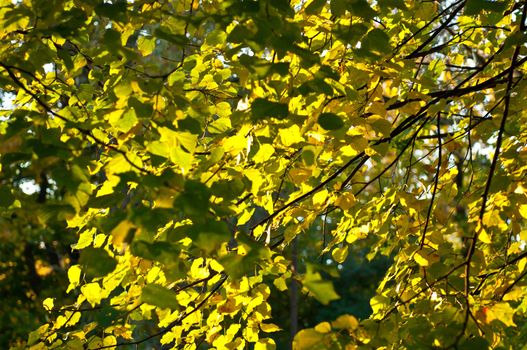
308	339
146	45
340	254
379	303
157	295
269	327
345	322
120	232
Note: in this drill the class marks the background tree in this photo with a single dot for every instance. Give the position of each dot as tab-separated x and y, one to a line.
211	159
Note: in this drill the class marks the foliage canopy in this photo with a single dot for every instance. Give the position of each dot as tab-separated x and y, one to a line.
185	147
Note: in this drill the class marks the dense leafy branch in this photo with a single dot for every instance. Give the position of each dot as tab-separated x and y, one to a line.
203	171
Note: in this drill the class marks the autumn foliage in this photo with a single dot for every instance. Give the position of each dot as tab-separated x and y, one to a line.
171	170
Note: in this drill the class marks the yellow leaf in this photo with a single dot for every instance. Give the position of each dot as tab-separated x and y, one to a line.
108	185
42	268
320	197
348	151
269	327
146	45
250	333
119	164
198	269
158	148
254	303
180	157
99	240
264	153
92	292
345	201
235	144
74	275
280	284
359	143
484	236
380	125
187	140
426	256
290	136
265	344
324	327
85	239
122	90
216	266
420	259
340	254
345	322
233	329
48	304
109	340
515	294
502	312
247	214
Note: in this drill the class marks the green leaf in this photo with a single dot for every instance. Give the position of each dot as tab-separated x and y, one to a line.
164	252
474	343
262	108
362	9
96	262
392	4
315	6
228	189
115	11
216	37
164	33
159	296
475	7
338	7
194	201
330	121
6	197
112	40
376	42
